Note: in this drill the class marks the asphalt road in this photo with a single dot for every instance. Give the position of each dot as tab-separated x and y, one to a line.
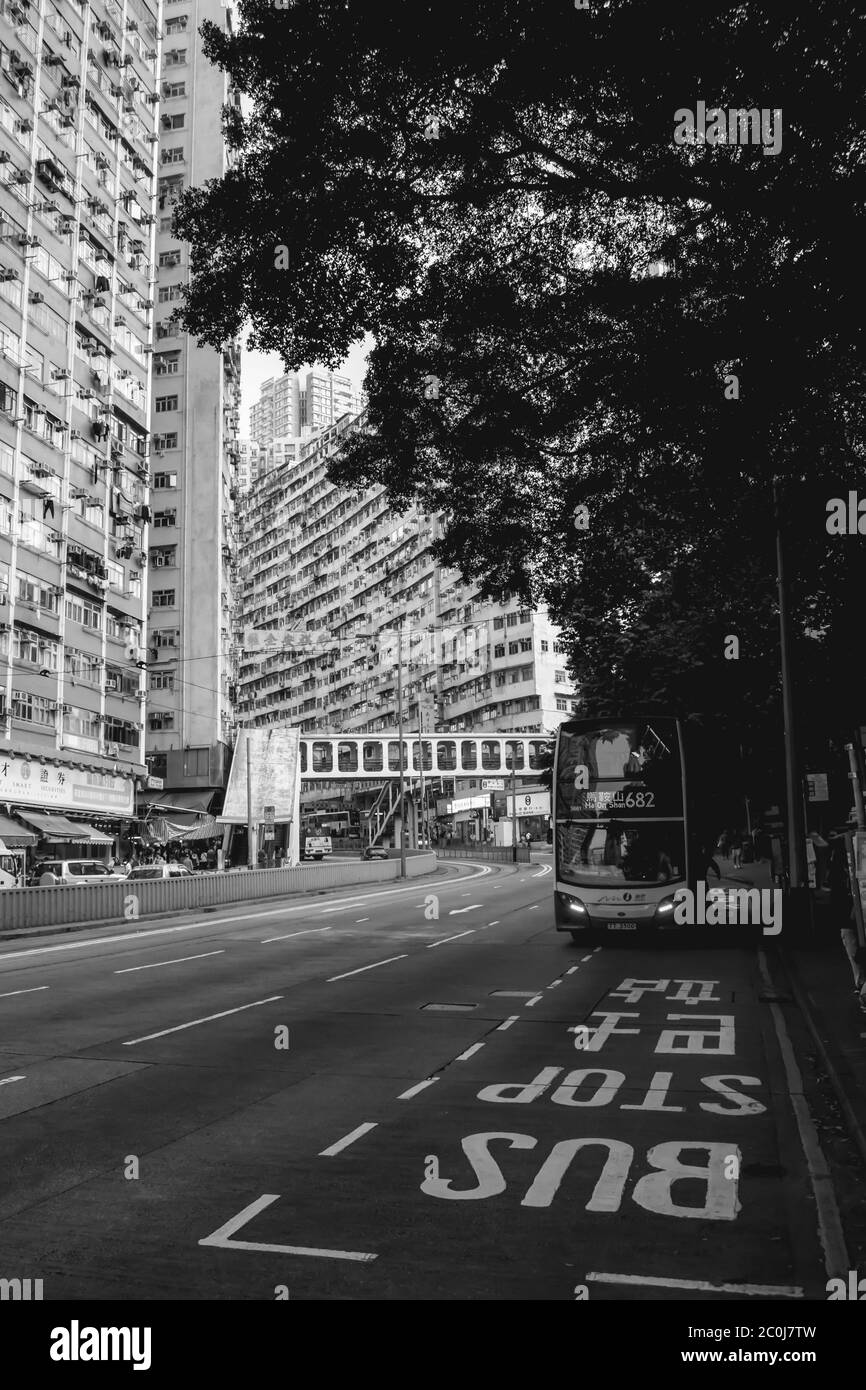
351	1097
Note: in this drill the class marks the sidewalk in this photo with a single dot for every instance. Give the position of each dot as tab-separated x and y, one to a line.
814	967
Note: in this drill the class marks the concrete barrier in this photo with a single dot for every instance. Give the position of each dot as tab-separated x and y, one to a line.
124	900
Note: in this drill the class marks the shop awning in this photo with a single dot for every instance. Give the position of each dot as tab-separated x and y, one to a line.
14	835
198	801
163	831
58	828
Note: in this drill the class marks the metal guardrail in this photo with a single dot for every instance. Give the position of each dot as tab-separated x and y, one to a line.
500	854
131	900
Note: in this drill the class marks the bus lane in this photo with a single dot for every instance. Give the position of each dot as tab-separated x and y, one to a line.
643	1148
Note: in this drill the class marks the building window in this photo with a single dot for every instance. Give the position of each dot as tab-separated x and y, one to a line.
175	58
164	598
164	441
173	154
498	622
560	678
561	702
170	292
78	610
162	719
176	25
32	709
174	89
544	645
166	637
513	648
166	518
84	723
511	620
163	557
174	122
165	403
163	480
499	649
162	680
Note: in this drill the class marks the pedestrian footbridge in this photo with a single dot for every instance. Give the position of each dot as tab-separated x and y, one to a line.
378	758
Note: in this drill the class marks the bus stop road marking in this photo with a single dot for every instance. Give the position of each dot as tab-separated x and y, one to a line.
178	960
221	1239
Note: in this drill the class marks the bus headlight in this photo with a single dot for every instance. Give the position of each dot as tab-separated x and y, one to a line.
573	905
665	912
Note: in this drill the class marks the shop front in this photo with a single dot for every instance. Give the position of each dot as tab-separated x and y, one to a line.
63	810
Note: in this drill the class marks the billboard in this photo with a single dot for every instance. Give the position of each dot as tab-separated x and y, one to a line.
275	778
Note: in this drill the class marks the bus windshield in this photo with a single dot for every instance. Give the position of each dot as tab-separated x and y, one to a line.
619	803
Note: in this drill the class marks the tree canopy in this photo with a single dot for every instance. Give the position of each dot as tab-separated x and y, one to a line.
570	309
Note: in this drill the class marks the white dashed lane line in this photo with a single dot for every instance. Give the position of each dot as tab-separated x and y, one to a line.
444	939
194	1023
554	984
7	1080
178	960
470	1051
571	969
362	968
507	1024
534	1000
413	1090
589	957
34	990
309	931
494	924
361	919
348	1139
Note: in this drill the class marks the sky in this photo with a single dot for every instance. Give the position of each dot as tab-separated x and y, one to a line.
257	367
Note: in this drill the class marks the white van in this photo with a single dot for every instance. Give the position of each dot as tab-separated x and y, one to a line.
317	846
10	869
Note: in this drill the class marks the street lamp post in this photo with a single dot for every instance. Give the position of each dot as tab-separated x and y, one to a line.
400	747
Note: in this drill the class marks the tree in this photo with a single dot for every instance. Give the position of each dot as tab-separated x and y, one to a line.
614	321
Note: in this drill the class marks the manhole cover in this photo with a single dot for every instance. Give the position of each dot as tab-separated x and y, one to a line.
449	1008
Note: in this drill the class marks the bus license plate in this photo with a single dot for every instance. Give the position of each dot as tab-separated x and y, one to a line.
622	926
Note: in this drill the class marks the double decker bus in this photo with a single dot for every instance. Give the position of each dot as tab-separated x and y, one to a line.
341	824
620	834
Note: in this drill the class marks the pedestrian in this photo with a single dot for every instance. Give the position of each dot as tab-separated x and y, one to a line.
211	858
706	860
737	848
186	863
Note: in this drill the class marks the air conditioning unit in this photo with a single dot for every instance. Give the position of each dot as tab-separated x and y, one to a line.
36	297
75	434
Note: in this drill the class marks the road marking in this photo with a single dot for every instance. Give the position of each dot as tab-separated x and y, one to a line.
348	1139
534	907
571	969
224	921
222	1238
177	961
554	984
759	1290
413	1090
596	950
456	911
34	990
531	1002
494	924
196	1021
365	967
7	1080
470	1051
507	1024
362	919
583	959
836	1260
308	932
545	869
442	940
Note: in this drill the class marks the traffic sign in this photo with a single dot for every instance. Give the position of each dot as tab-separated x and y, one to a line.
493	784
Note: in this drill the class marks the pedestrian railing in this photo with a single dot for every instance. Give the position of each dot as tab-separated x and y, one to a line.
130	900
502	854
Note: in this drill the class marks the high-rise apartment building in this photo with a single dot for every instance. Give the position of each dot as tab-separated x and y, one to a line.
338	572
78	170
296	404
196	401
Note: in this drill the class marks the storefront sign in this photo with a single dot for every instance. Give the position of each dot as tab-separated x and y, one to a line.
63	788
154	784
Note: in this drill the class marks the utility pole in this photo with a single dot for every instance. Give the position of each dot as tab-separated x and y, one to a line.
400	747
797	870
251	863
421	770
513	802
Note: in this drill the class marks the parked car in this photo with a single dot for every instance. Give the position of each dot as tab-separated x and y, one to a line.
375	852
159	871
58	871
317	846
